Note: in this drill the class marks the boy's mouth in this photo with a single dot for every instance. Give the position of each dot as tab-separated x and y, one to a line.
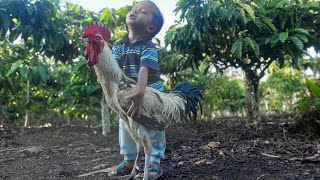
131	17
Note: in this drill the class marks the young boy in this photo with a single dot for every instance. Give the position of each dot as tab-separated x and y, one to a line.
137	57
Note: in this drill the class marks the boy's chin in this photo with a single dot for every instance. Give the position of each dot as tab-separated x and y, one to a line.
132	25
130	21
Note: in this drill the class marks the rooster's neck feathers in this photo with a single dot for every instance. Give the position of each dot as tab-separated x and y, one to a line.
107	69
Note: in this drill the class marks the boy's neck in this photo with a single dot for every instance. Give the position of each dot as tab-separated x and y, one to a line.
134	37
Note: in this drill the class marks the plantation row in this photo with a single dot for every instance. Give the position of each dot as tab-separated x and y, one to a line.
43	73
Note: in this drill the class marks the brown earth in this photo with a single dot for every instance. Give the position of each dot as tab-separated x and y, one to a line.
226	150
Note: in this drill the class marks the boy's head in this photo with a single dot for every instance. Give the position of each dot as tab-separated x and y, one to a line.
145	17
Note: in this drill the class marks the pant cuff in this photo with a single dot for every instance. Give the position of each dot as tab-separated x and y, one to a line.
155	159
128	157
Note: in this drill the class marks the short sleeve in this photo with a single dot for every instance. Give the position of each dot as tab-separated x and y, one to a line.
116	53
149	58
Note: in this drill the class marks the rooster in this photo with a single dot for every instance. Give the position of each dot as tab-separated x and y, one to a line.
161	109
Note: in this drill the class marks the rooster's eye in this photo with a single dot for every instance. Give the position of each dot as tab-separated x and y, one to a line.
98	38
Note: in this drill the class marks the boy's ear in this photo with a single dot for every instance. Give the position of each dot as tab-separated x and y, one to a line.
151	29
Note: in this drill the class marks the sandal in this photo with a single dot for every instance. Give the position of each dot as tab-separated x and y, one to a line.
120	170
152	168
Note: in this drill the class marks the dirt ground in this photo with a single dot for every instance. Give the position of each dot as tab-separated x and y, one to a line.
225	150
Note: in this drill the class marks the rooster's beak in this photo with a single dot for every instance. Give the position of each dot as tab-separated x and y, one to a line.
86	39
89	39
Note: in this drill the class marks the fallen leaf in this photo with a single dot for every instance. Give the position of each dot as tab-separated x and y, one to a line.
306	173
103	150
200	161
212	145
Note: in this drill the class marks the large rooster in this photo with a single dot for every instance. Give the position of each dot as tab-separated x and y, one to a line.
161	109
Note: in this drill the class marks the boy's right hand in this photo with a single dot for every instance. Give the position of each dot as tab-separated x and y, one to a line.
136	105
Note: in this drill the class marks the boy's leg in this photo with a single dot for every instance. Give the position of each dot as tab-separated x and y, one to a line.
158	142
127	145
127	149
157	138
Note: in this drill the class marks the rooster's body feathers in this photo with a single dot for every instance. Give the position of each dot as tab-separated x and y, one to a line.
164	109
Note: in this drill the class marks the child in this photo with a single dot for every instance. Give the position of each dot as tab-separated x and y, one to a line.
137	57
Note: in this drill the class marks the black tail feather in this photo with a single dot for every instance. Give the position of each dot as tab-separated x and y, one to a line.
192	94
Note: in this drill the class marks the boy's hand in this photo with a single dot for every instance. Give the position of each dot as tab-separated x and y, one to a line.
136	105
137	98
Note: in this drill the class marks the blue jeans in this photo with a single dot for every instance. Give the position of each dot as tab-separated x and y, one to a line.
128	147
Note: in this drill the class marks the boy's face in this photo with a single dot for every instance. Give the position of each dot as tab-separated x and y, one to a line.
141	16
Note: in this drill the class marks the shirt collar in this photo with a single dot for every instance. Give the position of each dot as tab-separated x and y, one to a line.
126	40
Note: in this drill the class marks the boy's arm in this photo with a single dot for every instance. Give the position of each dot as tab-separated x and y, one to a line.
137	98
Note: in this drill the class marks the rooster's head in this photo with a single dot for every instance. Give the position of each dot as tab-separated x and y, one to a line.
95	34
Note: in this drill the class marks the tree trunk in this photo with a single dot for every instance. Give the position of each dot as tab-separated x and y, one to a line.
1	119
26	121
252	99
105	117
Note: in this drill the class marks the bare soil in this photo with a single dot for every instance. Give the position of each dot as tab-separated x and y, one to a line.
226	150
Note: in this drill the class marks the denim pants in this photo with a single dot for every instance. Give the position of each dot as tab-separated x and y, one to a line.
128	147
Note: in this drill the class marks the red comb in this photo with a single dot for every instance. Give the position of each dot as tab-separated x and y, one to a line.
94	28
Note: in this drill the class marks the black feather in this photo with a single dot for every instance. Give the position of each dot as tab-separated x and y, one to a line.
192	94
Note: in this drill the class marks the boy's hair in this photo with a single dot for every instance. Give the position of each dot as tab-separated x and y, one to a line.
157	19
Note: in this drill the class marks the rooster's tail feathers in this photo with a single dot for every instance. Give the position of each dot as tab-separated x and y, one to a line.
192	94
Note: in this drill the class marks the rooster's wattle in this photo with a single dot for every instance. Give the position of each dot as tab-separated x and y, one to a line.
161	109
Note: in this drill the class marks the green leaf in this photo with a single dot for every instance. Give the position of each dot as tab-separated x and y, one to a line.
79	64
34	77
12	86
267	41
89	19
274	39
277	3
258	3
43	74
283	36
253	45
249	10
237	48
303	37
243	15
24	70
313	87
170	35
249	41
299	30
269	23
14	67
297	42
104	15
283	20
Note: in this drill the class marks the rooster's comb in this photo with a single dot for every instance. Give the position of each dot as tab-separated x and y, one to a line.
94	28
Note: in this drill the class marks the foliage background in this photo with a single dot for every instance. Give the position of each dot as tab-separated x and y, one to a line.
43	74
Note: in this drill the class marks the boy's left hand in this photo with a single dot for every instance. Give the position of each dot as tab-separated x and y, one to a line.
136	105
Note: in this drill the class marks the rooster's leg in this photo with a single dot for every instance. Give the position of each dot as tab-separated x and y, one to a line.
146	167
113	94
118	107
134	169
